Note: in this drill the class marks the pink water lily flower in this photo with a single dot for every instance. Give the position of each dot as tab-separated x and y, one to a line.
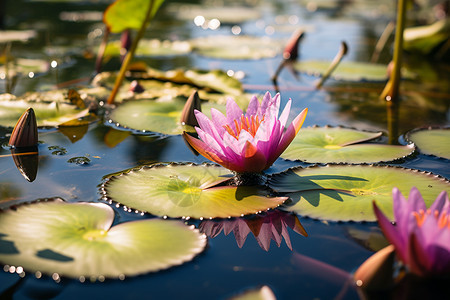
250	142
421	236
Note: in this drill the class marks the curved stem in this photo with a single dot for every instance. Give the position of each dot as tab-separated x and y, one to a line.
130	54
390	92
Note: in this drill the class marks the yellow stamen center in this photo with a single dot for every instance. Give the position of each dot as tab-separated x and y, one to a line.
249	124
443	219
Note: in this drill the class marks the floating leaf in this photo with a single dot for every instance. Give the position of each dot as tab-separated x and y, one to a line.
339	145
151	48
424	39
178	190
213	85
350	71
47	113
77	240
155	116
227	14
26	66
123	14
17	35
432	141
236	47
345	193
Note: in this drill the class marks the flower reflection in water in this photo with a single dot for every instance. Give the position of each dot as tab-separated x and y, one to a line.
268	226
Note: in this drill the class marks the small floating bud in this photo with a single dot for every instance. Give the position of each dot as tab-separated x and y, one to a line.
25	132
291	50
136	87
187	115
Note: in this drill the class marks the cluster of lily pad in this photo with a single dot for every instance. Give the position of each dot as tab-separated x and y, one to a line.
341	187
79	240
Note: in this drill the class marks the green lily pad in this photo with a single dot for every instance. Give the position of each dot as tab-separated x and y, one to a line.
348	71
47	113
26	66
424	39
76	240
237	47
345	193
156	116
211	84
230	14
433	141
123	14
341	145
151	48
17	35
190	191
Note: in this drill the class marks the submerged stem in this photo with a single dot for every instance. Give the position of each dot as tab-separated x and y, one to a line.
249	179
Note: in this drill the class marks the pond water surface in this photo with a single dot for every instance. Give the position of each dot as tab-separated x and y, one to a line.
223	269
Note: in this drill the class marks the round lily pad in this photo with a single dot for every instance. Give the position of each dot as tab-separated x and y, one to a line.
186	190
236	47
345	193
76	240
17	35
349	71
152	47
341	145
433	141
48	113
155	116
26	66
227	14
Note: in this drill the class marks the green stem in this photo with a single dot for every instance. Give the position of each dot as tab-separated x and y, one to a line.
337	59
130	55
391	91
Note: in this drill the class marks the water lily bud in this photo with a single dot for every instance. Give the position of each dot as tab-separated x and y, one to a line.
25	132
136	87
187	115
291	50
376	273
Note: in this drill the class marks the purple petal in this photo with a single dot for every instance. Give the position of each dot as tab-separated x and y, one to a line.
391	233
207	125
267	99
253	107
219	120
234	112
285	114
439	203
415	200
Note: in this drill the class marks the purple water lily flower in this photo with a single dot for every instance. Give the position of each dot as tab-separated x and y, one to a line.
250	142
421	236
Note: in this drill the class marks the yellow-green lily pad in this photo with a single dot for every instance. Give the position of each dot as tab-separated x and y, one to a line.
155	116
348	71
346	193
433	141
48	113
237	47
186	190
77	240
341	145
151	48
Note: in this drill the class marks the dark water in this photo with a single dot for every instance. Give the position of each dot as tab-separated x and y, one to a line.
223	269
